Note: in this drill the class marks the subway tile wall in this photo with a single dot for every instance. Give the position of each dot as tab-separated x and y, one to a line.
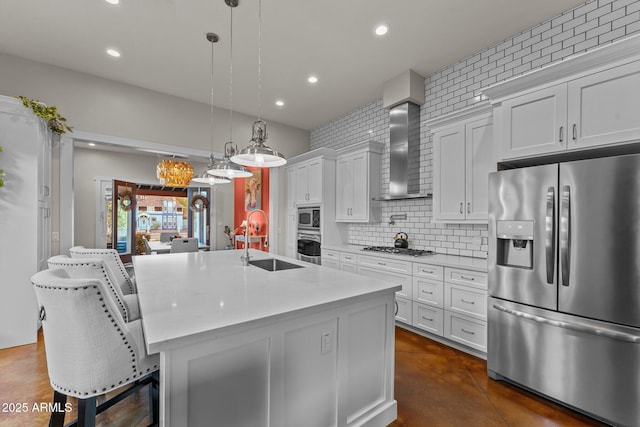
594	23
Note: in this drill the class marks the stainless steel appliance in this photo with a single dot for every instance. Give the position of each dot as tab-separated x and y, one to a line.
309	247
309	218
397	251
564	283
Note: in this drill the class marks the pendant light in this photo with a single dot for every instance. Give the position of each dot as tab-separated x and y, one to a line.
205	177
226	168
258	154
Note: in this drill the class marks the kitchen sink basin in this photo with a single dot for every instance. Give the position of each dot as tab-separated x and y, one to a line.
273	264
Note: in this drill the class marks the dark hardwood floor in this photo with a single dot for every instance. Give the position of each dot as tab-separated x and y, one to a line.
435	386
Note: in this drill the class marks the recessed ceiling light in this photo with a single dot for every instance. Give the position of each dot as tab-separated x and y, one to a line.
113	1
91	144
280	103
312	79
381	30
113	53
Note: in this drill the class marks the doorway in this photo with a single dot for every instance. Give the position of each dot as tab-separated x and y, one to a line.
152	211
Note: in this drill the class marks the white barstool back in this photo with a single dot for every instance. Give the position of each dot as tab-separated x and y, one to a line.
123	279
86	268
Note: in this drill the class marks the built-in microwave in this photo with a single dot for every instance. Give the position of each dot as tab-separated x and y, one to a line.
309	218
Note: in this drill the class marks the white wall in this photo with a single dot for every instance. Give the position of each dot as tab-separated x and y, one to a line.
595	23
101	106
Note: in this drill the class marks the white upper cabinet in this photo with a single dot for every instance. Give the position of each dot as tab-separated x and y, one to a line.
462	159
534	123
604	108
309	181
587	101
358	182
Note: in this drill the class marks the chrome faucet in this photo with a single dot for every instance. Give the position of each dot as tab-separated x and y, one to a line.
246	258
392	218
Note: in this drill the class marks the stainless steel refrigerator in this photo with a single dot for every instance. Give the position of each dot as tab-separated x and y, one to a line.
564	283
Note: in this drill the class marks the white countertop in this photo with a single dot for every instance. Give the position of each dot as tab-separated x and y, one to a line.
476	264
185	294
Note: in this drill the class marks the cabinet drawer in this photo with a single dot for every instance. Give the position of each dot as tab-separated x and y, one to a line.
391	265
330	254
403	310
428	318
392	278
465	300
466	330
347	258
477	279
435	272
428	291
331	263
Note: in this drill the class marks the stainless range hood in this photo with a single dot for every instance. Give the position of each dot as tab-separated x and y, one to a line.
404	153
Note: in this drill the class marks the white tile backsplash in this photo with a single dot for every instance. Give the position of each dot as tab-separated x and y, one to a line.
594	23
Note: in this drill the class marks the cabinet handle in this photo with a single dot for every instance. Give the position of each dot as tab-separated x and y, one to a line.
382	263
467	278
467	302
467	332
461	207
46	190
348	257
468	207
561	137
427	292
427	319
575	133
397	308
427	271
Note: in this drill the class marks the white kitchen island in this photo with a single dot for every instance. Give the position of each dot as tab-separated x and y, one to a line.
242	346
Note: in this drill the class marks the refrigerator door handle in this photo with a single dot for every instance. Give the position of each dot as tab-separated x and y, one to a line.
565	234
550	234
620	336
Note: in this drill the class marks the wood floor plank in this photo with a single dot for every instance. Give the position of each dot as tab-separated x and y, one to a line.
435	385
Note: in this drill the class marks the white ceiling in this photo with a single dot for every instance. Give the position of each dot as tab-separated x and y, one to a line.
164	47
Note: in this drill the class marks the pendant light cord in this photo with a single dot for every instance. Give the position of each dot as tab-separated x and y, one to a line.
212	82
259	58
231	79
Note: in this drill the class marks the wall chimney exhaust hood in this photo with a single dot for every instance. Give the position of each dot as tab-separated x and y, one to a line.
401	95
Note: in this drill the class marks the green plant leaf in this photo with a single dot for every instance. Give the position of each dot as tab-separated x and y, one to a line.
55	121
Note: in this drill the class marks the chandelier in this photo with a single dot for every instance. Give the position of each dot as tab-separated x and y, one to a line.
174	173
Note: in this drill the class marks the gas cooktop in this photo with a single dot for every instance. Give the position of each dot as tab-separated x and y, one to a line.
398	251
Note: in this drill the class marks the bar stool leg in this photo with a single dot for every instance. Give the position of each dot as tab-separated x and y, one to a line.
57	416
87	412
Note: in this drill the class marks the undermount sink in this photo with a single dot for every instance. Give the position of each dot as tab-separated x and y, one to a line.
273	264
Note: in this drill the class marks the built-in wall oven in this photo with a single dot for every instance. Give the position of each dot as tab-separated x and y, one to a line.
309	246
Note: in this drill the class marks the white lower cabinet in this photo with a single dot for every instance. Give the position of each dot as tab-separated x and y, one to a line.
465	304
403	310
397	272
330	258
466	330
428	318
465	300
445	302
427	291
